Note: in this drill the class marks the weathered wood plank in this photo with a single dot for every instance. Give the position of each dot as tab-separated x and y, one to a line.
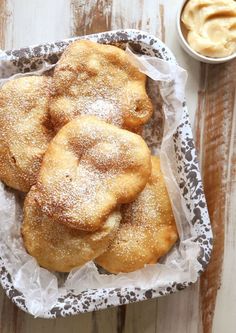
73	324
121	318
162	32
141	14
104	321
90	16
141	317
35	22
216	141
10	321
224	319
179	313
191	65
3	22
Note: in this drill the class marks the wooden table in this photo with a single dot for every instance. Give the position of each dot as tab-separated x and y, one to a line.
210	305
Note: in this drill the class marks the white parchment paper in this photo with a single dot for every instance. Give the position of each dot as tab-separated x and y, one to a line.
40	287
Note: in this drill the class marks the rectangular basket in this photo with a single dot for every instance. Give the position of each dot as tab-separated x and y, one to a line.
29	59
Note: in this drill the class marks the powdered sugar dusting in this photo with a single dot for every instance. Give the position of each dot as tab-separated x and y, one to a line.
105	110
25	129
144	209
100	80
101	166
147	230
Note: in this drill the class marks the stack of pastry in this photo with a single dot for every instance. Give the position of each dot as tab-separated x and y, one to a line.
71	141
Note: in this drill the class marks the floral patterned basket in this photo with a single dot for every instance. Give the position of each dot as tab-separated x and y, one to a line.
29	59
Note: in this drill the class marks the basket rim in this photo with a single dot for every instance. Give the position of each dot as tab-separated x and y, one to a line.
162	51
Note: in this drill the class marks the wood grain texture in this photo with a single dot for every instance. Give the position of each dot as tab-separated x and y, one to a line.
10	319
179	313
75	324
216	144
3	22
191	65
141	317
90	16
104	321
137	14
162	33
35	22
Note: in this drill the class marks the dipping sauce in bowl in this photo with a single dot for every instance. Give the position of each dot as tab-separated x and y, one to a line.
210	27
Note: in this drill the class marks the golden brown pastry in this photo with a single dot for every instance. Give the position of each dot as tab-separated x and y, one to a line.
57	247
89	168
147	230
25	130
99	80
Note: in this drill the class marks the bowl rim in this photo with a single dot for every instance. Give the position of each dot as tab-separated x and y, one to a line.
189	49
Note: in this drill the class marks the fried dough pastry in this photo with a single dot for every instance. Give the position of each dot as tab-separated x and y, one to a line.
89	168
25	130
99	80
57	247
147	230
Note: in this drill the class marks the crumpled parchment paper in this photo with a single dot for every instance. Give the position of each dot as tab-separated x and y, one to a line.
40	287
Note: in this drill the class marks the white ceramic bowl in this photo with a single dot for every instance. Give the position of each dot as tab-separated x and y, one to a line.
187	47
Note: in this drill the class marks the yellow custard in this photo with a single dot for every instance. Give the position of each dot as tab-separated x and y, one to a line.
211	26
